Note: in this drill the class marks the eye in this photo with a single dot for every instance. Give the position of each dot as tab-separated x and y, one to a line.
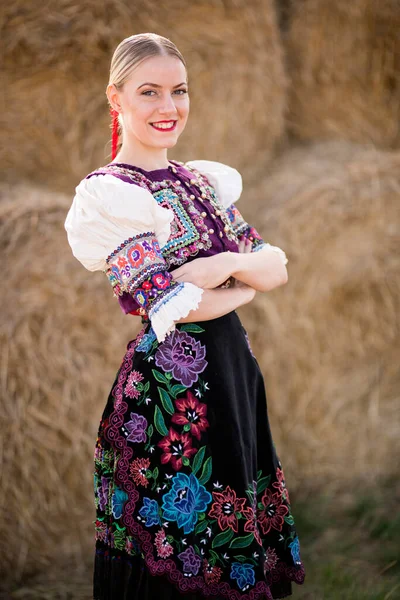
181	92
148	92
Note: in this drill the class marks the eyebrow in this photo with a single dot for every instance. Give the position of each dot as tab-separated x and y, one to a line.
159	86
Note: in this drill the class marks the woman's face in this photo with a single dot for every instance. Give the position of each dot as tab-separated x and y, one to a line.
154	102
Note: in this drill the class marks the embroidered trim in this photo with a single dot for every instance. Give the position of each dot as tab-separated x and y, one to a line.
242	228
133	262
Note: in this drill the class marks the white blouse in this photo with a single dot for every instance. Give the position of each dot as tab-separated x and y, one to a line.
106	212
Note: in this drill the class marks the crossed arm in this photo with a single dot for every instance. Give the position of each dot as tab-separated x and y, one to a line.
253	271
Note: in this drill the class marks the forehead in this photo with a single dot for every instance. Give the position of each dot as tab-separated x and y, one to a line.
162	70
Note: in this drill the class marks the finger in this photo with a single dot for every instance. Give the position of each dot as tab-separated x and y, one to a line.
242	245
248	246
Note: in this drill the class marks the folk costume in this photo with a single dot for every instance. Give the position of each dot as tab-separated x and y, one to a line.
190	493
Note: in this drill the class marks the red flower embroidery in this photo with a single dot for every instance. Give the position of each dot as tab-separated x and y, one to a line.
161	281
251	524
138	471
280	485
272	515
212	574
225	507
193	412
271	559
163	546
176	446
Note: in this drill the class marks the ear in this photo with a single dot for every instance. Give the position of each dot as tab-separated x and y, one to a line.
113	97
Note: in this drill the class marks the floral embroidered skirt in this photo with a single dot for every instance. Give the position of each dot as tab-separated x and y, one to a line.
190	494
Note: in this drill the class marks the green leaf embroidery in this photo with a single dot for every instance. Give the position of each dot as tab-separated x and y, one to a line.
242	542
200	527
263	484
289	519
187	427
198	460
185	461
222	538
192	328
150	430
159	422
177	389
206	472
159	376
166	401
155	473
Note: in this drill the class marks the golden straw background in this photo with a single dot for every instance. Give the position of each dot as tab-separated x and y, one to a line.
303	98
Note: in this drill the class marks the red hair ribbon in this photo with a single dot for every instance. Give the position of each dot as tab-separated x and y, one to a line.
114	137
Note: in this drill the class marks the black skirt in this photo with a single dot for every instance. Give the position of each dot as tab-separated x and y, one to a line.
190	493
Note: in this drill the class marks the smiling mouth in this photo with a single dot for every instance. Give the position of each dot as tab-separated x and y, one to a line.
164	125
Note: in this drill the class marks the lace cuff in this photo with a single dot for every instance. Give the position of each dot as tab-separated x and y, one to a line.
281	253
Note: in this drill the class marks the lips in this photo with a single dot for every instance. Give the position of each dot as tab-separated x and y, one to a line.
164	125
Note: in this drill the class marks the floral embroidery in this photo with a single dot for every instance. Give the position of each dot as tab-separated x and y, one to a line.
191	561
118	500
185	501
295	550
164	548
273	512
212	574
139	469
206	538
242	228
191	414
271	559
135	429
280	485
225	507
150	512
131	388
177	447
244	574
183	356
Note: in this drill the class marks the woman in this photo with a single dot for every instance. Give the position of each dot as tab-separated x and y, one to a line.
189	491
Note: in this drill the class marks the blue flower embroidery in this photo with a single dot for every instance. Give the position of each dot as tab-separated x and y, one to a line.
150	512
146	342
295	550
118	500
185	500
244	574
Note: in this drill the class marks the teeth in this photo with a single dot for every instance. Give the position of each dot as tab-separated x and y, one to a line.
164	125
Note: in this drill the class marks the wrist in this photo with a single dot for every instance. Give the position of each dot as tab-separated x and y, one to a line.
235	262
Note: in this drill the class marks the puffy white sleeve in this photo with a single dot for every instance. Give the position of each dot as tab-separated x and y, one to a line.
118	228
228	185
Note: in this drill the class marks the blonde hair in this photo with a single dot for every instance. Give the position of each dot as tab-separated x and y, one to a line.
131	52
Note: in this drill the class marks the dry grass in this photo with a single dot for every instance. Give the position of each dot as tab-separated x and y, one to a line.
344	64
63	337
328	343
56	59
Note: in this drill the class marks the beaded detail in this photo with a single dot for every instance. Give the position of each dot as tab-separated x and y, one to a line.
189	232
242	228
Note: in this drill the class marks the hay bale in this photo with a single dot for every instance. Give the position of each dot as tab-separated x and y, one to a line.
63	337
327	341
344	64
56	60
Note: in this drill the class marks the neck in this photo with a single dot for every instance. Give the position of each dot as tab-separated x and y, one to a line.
144	157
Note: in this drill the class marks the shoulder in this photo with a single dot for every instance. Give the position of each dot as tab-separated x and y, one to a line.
226	180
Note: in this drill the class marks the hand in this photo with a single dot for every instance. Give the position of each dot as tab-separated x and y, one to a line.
245	245
208	272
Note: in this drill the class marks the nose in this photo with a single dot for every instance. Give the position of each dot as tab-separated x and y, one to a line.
167	105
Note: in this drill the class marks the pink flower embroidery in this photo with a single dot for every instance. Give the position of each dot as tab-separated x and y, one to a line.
272	515
138	471
193	412
175	447
225	507
212	574
131	385
271	559
164	548
280	485
251	524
